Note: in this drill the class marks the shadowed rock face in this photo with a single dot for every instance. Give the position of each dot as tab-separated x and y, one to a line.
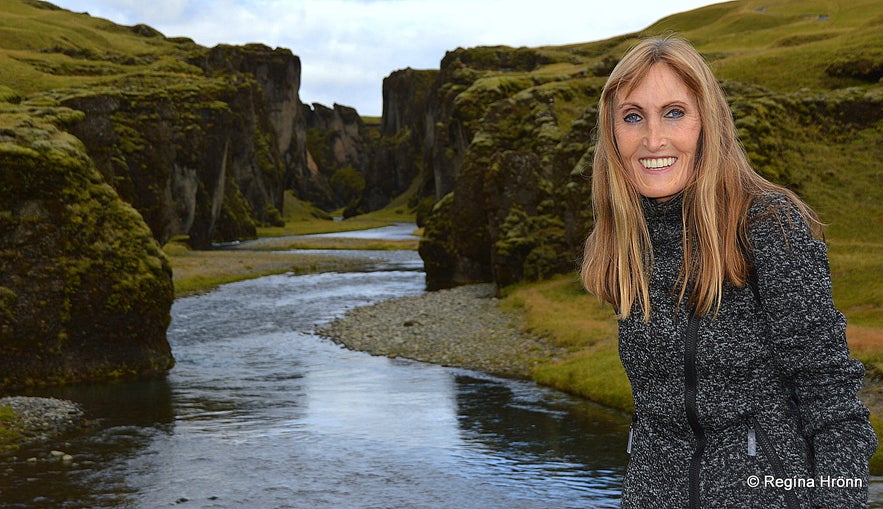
85	291
207	156
340	150
402	155
510	204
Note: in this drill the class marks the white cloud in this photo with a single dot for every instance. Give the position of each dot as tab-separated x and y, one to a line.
347	47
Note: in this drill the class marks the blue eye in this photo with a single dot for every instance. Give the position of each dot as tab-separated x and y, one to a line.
632	118
675	113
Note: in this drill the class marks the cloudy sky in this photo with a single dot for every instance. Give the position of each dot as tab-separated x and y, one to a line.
347	47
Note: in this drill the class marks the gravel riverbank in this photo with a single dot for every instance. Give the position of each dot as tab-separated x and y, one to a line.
39	419
460	327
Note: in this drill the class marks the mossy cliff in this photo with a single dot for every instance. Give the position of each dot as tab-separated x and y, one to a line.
114	139
208	154
508	131
85	290
401	153
339	144
504	147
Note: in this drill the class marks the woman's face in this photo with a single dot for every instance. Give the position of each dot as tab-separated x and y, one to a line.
656	128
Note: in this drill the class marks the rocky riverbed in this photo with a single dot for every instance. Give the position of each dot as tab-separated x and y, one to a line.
39	419
460	327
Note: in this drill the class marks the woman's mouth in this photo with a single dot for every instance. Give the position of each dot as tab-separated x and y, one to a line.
657	163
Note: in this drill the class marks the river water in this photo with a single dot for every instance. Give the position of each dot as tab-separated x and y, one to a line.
260	412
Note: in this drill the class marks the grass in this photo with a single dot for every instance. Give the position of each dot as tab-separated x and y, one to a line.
301	218
200	271
559	310
343	243
9	433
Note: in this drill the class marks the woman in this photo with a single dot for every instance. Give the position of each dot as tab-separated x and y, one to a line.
745	395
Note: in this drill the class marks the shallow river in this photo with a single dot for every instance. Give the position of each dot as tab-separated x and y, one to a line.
260	412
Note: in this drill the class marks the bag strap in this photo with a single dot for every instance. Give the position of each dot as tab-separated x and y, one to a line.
794	402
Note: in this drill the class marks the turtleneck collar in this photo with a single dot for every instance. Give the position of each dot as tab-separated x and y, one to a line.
668	208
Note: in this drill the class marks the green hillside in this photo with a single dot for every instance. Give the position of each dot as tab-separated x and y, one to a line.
804	82
44	48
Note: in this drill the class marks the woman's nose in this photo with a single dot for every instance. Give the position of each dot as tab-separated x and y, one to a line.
654	136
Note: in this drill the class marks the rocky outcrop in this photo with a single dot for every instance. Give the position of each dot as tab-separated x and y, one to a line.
340	150
85	290
208	155
402	157
509	143
503	158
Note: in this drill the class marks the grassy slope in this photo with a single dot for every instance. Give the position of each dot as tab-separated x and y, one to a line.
44	49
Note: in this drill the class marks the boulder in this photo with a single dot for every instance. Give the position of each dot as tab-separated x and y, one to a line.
85	290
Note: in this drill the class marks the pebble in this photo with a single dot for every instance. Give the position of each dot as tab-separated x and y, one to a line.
40	419
461	327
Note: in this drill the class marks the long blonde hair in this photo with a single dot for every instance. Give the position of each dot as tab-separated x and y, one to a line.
618	256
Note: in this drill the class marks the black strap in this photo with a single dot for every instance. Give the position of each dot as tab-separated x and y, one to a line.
794	399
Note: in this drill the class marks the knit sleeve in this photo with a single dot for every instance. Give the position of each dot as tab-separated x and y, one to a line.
808	337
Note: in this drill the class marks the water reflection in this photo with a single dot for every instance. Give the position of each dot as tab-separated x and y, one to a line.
540	436
123	420
260	412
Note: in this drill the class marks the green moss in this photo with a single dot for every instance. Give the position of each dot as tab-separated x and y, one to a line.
348	184
318	146
10	435
85	263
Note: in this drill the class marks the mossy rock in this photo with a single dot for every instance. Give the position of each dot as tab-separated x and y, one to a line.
87	290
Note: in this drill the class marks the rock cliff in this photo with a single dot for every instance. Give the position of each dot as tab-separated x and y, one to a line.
340	150
504	146
118	140
208	154
85	290
402	157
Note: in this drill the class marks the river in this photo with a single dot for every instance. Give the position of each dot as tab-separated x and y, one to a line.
260	412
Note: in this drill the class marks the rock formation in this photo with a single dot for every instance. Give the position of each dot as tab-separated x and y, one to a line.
340	150
402	157
209	154
503	161
85	290
508	133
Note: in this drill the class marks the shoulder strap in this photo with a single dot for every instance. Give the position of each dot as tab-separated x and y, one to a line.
755	288
794	399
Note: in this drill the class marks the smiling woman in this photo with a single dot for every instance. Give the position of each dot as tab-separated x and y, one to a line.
657	130
735	353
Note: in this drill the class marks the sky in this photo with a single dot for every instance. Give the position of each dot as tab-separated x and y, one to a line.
347	47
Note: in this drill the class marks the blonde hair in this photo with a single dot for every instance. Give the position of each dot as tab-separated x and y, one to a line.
618	255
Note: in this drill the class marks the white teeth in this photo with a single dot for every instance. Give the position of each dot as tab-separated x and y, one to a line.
658	162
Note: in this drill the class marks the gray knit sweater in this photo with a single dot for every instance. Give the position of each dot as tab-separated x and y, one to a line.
716	423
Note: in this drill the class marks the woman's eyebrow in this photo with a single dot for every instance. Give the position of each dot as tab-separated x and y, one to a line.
629	104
